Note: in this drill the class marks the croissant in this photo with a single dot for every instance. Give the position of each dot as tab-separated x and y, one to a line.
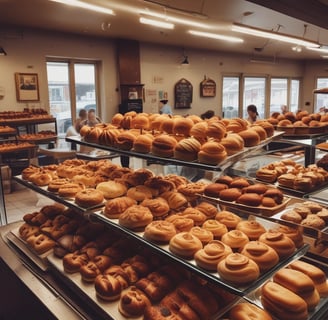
114	207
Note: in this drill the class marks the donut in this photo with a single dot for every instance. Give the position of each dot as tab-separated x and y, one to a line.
185	245
89	198
160	231
264	256
238	269
212	253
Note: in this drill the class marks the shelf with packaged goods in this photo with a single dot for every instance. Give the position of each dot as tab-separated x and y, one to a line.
194	164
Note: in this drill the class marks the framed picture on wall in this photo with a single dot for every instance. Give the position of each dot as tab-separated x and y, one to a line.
27	86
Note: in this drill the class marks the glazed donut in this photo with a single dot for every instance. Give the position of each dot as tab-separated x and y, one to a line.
283	245
69	190
262	254
235	239
89	198
253	229
133	303
185	245
107	287
248	311
212	253
135	217
238	269
160	231
217	228
40	179
205	236
228	218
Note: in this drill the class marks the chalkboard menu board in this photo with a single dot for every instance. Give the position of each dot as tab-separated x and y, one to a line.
183	94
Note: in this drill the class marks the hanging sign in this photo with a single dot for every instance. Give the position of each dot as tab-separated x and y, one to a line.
183	94
207	88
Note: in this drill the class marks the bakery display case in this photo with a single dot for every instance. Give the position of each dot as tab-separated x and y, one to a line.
53	267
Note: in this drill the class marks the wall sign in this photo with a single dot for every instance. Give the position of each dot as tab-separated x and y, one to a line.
183	94
207	88
27	86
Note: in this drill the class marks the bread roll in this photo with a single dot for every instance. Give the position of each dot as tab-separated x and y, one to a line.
251	137
143	143
233	143
182	126
163	146
212	153
187	149
248	311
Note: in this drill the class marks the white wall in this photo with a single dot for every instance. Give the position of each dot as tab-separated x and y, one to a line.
160	69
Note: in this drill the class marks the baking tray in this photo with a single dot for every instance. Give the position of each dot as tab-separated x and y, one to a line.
317	313
191	264
265	211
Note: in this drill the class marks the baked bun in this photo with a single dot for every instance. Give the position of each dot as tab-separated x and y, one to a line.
258	188
239	183
253	229
212	253
212	153
185	245
160	231
235	239
233	143
260	130
182	126
228	218
89	198
208	209
216	130
135	217
248	311
163	146
115	207
108	287
283	303
292	233
214	189
251	137
238	269
265	257
125	140
224	179
187	149
111	189
140	193
217	228
267	175
250	199
143	143
204	235
198	131
230	194
158	206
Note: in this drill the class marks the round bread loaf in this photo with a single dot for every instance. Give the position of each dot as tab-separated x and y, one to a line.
233	143
212	153
88	198
251	137
187	149
163	146
143	143
182	126
112	189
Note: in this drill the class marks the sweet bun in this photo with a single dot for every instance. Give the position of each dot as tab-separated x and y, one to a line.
135	217
88	198
212	153
208	209
224	179
115	207
248	311
228	218
258	188
267	175
214	189
233	143
182	126
235	239
230	194
275	194
185	245
204	235
108	287
198	131
125	140
143	143
265	257
283	303
250	199
140	192
160	231
239	183
238	269
111	189
216	130
187	149
163	146
292	233
253	229
260	130
251	137
158	206
140	121
217	228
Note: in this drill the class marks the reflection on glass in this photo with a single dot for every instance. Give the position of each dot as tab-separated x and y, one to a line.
254	93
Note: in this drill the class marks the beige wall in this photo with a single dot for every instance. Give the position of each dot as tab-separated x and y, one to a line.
160	69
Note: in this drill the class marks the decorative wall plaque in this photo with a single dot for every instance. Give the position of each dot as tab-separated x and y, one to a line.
207	88
183	94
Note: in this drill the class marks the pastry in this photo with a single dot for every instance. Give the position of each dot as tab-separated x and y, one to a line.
228	218
258	188
192	213
89	198
250	199
204	235
212	253
239	183
251	137
40	243
233	143
217	228
112	189
72	262
160	231
208	209
69	190
235	239
140	193
230	194
107	287
180	223
313	221
264	256
185	245
213	189
115	207
283	303
182	126
163	146
93	268
135	217
187	149
158	206
216	130
238	269
253	229
292	215
293	233
248	311
212	153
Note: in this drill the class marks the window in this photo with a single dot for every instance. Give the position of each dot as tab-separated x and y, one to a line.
294	95
278	94
254	93
72	87
321	99
230	97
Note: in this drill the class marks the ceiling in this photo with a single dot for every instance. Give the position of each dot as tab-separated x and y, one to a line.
218	14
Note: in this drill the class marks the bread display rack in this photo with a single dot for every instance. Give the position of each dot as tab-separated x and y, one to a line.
95	214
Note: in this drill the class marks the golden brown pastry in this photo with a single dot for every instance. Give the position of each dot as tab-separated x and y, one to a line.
205	236
235	239
217	228
264	256
181	224
115	207
187	149
208	209
192	213
112	189
292	216
213	189
163	146
283	303
159	207
313	221
233	143
293	233
248	311
267	175
135	217
251	137
140	193
253	229
107	287
212	253
250	199
216	130
238	269
160	231
230	194
185	245
89	198
212	153
176	200
228	218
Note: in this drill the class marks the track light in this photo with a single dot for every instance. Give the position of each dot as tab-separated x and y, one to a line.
2	52
215	36
84	5
156	23
238	27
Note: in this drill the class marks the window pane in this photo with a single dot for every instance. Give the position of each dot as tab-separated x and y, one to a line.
85	87
321	100
254	93
230	97
278	95
59	94
294	95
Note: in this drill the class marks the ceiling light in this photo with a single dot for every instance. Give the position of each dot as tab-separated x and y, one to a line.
185	61
215	36
172	19
2	52
156	23
273	35
84	5
297	48
322	49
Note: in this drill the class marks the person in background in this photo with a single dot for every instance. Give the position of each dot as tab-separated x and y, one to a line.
252	113
164	107
283	108
83	115
92	119
207	115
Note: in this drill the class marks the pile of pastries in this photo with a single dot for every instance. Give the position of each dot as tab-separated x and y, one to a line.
13	146
7	129
292	175
301	122
184	138
27	113
44	134
140	282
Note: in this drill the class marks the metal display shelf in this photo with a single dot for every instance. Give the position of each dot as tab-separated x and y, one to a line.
165	161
